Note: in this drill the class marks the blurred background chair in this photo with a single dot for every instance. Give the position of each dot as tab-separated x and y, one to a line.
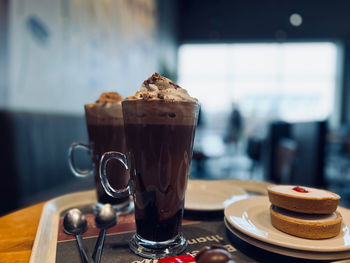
284	165
295	153
254	151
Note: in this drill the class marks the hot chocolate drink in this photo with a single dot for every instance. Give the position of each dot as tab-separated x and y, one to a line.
160	150
105	125
160	122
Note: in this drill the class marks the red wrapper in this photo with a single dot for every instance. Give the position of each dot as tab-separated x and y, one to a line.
178	259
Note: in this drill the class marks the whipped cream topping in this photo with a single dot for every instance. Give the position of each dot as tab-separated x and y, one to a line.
105	110
158	87
313	193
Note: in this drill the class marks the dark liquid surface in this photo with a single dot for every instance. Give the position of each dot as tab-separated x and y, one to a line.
159	157
104	138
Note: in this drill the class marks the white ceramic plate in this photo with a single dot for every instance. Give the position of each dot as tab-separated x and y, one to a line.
287	251
252	217
253	187
206	195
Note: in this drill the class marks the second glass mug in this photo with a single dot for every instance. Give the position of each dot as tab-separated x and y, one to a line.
106	133
159	152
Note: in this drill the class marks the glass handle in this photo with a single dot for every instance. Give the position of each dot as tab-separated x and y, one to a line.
106	157
71	160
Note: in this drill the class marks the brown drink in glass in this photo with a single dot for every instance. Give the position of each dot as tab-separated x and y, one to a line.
160	142
160	123
104	120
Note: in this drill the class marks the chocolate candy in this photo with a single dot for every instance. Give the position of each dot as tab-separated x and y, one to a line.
214	254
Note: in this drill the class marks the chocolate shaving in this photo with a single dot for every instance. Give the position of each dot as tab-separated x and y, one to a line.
173	84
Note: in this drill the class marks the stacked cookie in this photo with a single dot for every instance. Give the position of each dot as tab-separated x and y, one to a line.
304	211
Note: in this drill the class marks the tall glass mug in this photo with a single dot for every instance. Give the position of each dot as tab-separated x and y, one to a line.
106	133
159	137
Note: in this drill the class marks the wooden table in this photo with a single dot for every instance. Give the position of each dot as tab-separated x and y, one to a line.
17	234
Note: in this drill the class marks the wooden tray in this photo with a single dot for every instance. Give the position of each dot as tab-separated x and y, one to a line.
45	244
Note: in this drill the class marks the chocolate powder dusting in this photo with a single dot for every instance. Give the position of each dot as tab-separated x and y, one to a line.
157	87
109	97
156	76
160	81
144	95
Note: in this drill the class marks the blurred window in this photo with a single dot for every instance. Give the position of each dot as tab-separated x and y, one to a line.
286	81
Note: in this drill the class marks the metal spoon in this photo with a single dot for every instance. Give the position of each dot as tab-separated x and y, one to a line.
74	223
106	218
